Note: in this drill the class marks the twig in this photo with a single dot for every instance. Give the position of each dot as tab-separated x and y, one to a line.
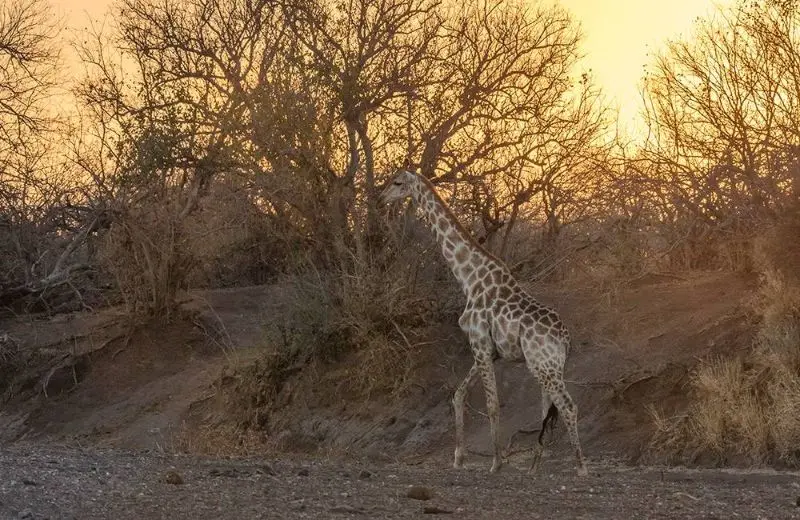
590	383
399	331
620	391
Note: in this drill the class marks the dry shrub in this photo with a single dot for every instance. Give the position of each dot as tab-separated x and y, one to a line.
146	252
747	408
347	334
12	362
156	249
367	312
218	440
234	242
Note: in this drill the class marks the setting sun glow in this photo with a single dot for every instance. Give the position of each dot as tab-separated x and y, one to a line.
618	36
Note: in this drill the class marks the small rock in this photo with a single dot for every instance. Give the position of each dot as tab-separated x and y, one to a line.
29	482
797	502
303	472
265	469
419	493
433	510
224	472
173	477
25	514
364	474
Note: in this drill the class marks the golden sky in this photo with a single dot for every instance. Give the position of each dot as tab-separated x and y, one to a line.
618	35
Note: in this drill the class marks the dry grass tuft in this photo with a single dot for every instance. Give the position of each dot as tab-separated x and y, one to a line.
746	409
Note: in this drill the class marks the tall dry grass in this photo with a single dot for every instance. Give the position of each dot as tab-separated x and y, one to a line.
746	408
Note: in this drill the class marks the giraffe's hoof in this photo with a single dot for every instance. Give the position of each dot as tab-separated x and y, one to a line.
495	467
583	471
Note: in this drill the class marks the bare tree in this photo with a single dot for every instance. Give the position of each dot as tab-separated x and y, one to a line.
40	215
722	109
721	157
510	117
28	57
306	105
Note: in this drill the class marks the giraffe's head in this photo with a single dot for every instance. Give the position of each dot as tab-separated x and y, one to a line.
399	187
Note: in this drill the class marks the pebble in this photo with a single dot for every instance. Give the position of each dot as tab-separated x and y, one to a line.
224	472
419	493
173	477
266	469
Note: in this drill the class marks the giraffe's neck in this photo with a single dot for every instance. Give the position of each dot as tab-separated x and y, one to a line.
464	256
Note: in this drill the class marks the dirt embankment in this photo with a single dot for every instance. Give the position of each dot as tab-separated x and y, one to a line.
168	388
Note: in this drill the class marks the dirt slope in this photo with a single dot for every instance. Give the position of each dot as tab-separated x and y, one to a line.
156	388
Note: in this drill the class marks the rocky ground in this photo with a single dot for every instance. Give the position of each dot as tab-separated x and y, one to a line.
38	482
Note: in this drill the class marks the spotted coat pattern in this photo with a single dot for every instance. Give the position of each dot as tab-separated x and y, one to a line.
500	320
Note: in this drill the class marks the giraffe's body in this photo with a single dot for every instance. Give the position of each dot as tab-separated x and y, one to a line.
500	320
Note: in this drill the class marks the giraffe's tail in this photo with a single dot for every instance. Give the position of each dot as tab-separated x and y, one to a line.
549	421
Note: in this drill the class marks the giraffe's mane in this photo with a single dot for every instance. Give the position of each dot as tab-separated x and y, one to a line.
457	224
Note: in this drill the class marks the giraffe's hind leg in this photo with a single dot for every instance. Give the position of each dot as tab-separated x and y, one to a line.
549	416
569	410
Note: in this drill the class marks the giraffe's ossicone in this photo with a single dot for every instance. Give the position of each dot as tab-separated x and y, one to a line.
500	320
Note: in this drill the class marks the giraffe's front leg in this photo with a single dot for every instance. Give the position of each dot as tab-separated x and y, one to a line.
486	369
458	410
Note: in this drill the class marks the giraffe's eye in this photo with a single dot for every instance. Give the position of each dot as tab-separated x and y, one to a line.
397	183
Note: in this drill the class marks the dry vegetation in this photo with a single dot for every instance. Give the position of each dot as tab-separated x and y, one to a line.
745	408
236	142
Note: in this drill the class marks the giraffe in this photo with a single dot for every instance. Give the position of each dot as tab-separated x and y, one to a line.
500	320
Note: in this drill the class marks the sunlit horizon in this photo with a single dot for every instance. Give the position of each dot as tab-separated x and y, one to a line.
619	37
